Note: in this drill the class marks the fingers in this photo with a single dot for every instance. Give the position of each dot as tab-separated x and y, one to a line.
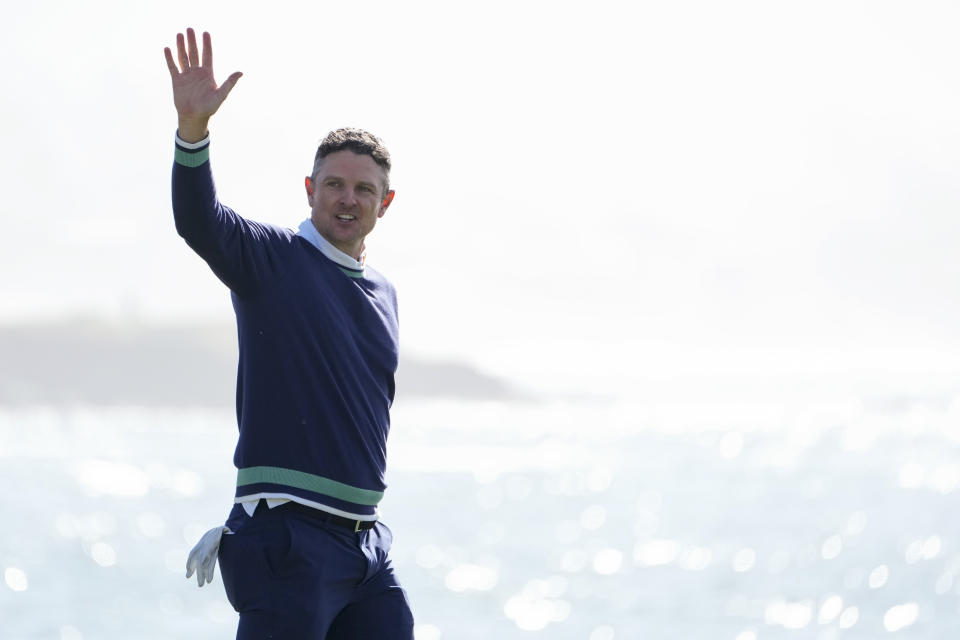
203	556
208	568
192	51
192	562
189	54
182	53
207	51
170	63
202	564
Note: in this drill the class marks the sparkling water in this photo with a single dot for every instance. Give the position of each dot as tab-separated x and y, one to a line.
592	519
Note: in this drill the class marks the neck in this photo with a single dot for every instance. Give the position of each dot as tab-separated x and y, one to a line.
348	252
354	252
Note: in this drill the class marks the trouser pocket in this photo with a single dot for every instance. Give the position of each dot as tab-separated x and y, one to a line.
251	559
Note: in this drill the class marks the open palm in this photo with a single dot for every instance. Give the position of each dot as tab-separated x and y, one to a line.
195	92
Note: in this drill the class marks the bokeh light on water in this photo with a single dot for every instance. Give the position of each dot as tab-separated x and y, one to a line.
15	579
518	519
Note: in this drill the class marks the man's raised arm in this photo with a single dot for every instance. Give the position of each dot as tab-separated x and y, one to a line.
228	243
195	93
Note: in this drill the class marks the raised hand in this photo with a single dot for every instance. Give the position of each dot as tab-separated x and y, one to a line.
195	93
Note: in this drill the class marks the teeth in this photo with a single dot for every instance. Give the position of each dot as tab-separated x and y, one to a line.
345	217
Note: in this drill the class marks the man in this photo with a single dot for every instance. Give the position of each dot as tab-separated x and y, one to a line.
302	554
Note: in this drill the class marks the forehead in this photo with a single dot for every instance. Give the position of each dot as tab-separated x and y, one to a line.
356	167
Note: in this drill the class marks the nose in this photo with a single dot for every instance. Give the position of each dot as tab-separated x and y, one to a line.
347	198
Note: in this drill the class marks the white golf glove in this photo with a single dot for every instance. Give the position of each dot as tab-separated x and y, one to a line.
203	557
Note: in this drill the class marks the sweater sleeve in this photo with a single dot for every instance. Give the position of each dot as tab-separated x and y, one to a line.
242	253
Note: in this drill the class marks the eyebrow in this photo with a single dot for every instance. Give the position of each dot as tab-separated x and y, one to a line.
361	183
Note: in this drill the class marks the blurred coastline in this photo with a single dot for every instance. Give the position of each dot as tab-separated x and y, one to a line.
85	361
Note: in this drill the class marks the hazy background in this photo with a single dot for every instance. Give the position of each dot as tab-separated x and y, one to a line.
670	183
703	215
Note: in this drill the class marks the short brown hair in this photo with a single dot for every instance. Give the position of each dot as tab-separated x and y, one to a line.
358	141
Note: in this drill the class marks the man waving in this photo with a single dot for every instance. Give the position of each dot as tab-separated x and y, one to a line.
303	553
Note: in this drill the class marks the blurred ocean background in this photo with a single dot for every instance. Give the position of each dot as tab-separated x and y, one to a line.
716	507
679	303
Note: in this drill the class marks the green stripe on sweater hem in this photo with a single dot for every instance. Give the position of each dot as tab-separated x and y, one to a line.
308	481
191	158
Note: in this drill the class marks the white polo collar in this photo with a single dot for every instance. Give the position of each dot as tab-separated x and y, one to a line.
311	235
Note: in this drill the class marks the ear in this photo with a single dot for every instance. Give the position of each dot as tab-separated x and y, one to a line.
387	199
308	183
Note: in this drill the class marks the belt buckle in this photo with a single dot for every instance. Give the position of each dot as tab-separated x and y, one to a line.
356	527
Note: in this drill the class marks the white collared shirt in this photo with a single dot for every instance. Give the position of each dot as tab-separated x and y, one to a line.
309	232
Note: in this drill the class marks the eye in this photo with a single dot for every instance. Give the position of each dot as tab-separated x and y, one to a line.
366	188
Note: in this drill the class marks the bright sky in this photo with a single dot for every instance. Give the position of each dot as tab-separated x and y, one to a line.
582	187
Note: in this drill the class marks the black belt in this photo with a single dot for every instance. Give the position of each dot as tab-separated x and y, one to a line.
324	516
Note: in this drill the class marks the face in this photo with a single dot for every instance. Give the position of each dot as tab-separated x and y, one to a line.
347	198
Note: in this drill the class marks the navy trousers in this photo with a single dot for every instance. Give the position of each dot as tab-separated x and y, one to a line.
293	577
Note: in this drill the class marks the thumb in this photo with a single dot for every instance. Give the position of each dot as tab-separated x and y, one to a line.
228	84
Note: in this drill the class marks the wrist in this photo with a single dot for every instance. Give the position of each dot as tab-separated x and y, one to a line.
191	130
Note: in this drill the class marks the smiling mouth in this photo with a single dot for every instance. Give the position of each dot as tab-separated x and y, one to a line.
345	217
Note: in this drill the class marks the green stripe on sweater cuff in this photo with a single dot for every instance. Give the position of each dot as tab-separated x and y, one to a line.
191	158
308	481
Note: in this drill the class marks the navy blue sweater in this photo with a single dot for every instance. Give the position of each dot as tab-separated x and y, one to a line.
318	353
